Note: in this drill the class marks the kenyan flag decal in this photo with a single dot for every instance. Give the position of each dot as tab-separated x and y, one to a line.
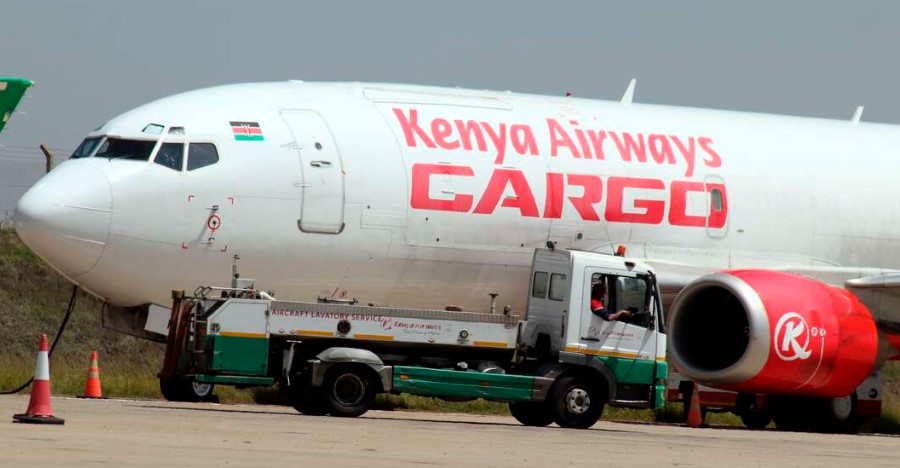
246	131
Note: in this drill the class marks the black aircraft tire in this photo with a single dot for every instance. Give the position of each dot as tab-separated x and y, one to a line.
838	415
756	419
791	413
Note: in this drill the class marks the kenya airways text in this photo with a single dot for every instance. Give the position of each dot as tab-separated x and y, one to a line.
470	135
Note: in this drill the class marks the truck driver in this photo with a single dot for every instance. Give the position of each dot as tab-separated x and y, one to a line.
598	292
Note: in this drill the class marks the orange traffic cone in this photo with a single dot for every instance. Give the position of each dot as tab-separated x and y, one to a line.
92	384
695	415
39	411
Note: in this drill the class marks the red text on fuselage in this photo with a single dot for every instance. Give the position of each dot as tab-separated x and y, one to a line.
583	191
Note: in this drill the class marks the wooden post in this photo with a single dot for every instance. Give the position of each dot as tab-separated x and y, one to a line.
49	155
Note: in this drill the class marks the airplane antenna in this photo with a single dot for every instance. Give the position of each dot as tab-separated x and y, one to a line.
629	93
857	114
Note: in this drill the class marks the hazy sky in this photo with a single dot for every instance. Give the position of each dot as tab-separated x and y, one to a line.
92	60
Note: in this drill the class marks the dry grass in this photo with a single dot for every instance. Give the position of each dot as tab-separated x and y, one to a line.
67	378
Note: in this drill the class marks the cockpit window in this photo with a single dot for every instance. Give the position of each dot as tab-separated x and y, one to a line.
117	148
170	155
85	148
201	155
153	129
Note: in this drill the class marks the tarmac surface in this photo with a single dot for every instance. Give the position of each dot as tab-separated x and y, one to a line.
157	434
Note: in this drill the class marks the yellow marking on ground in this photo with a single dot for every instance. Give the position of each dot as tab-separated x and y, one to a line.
490	344
366	336
313	332
242	334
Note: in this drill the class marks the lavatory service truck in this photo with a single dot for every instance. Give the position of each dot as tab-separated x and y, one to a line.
555	361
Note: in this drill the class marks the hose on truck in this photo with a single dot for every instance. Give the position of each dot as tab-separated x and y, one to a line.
59	333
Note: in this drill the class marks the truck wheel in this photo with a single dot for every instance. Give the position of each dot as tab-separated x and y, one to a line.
531	413
308	401
171	390
348	392
183	390
576	403
199	391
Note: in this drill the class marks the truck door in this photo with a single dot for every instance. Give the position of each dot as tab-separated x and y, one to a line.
628	346
322	173
548	299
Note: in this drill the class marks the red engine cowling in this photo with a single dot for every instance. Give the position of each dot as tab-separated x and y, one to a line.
769	332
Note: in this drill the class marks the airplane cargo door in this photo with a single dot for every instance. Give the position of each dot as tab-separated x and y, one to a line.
322	174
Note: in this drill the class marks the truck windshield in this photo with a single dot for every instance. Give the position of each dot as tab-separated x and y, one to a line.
117	148
85	148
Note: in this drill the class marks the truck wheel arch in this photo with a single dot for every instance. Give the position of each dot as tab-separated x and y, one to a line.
335	356
595	368
341	354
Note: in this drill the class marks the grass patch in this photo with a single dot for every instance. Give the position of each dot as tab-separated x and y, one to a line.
67	378
118	380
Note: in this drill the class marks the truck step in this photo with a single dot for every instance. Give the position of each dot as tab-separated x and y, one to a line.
234	380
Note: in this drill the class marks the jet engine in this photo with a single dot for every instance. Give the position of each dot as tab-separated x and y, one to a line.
758	330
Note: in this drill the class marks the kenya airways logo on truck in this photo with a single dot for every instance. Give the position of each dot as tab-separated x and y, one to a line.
660	201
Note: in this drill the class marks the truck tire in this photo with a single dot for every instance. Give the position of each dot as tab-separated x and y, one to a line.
576	403
170	390
348	391
198	391
187	391
308	401
531	413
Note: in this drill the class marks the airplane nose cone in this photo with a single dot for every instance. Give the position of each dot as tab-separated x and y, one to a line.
65	217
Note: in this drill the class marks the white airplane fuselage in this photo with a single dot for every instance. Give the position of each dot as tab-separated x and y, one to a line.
419	196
